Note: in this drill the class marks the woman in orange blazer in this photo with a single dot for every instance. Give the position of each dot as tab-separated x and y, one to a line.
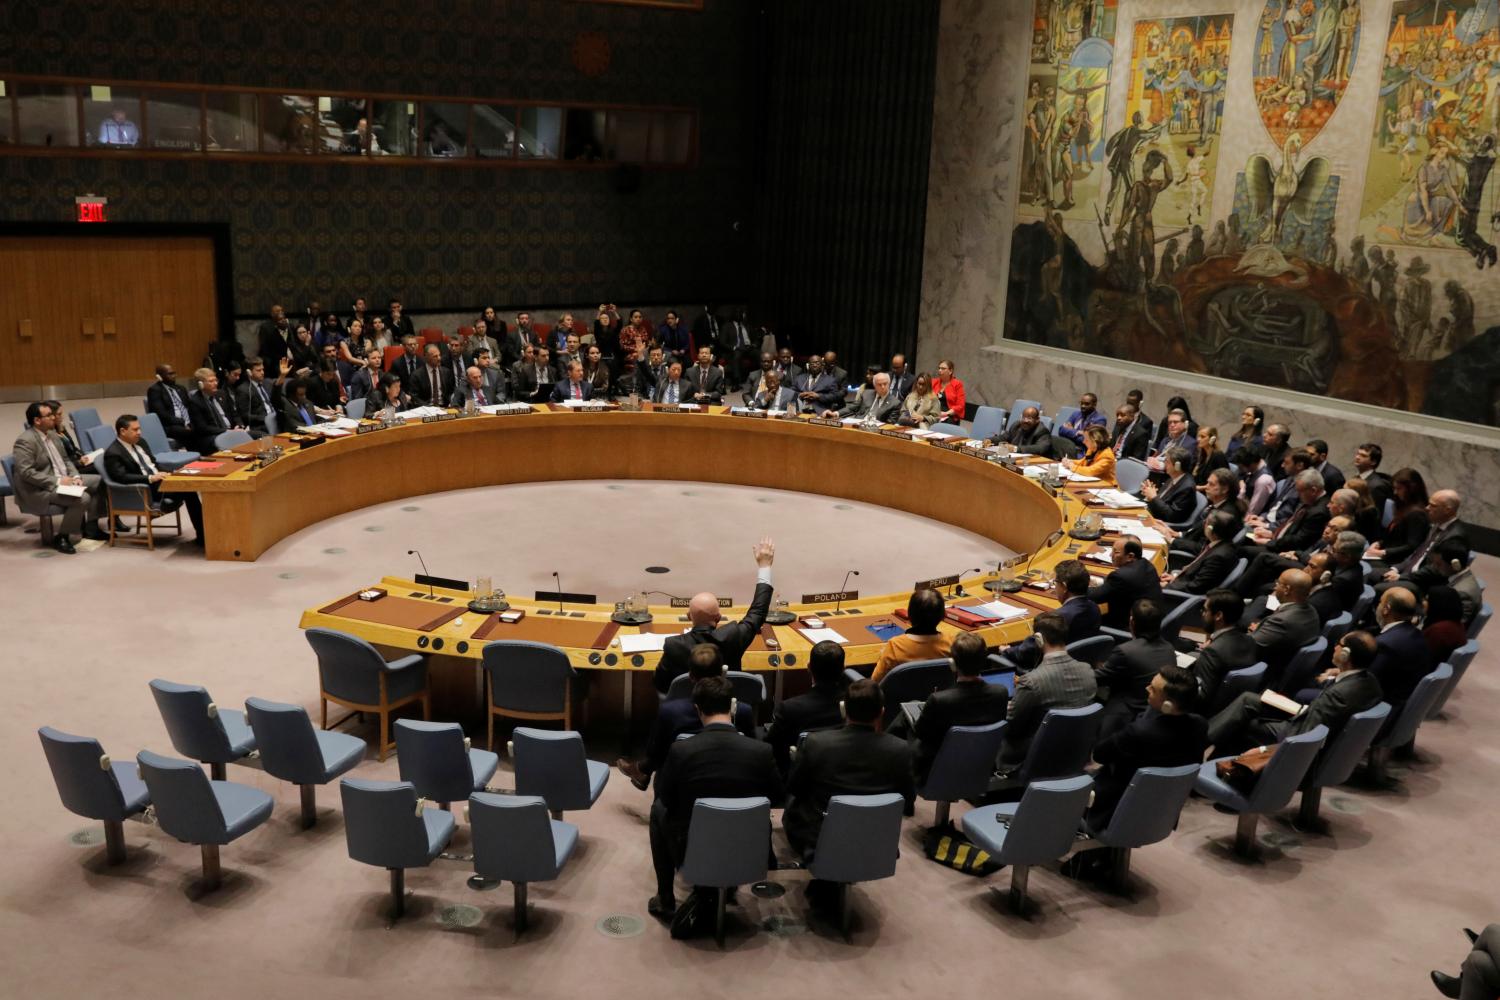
951	392
1098	457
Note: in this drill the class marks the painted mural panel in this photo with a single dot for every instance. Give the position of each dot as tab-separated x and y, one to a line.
1067	89
1304	55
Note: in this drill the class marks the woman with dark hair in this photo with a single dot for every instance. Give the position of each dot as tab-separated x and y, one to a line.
388	393
1252	424
921	408
1175	403
353	350
1366	514
1408	527
1443	622
595	371
1098	457
950	393
304	352
1209	456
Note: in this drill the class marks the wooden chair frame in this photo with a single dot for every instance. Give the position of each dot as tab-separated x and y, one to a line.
565	716
384	709
146	514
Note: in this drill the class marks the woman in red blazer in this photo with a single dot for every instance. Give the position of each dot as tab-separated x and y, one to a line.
950	391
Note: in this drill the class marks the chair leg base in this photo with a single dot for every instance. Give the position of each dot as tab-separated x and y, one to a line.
114	842
941	814
844	910
218	772
520	906
213	875
1120	869
1244	835
1019	876
398	893
309	805
719	916
1308	810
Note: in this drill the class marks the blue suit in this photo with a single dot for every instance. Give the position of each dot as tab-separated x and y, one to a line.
1080	424
564	390
1401	660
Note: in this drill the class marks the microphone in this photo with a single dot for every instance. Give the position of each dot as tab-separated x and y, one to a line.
558	580
414	552
842	587
958	587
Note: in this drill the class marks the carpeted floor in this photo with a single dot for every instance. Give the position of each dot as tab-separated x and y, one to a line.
1364	909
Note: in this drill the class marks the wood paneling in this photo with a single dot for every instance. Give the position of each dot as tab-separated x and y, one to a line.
96	305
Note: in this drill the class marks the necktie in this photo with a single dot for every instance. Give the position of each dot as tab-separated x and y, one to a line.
671	392
144	461
436	383
223	420
1415	559
1281	529
177	408
265	401
306	419
479	395
58	468
577	391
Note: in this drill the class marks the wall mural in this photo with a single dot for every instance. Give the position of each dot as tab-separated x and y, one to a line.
1265	289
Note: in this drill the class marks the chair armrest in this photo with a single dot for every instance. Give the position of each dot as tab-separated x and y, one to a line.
1120	635
1177	596
852	675
999	662
401	663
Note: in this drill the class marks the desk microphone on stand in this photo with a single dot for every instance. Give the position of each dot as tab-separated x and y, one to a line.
843	587
958	586
413	552
558	580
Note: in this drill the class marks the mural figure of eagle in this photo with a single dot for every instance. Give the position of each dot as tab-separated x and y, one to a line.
1285	189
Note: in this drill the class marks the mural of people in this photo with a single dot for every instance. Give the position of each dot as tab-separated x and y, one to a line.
1305	53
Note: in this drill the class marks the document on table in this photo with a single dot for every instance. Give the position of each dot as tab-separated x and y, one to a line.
418	412
646	642
920	432
997	610
1127	526
819	634
1117	499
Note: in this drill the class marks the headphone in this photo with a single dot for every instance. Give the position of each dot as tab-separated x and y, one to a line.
1325	577
843	714
1167	706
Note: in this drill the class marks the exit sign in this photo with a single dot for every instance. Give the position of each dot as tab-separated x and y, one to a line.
91	208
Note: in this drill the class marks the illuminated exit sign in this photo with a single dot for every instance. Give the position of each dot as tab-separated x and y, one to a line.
91	207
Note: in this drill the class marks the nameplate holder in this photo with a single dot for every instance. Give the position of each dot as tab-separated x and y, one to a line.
754	414
936	584
438	418
833	596
682	602
1051	491
826	422
311	441
948	444
895	432
512	413
369	428
667	408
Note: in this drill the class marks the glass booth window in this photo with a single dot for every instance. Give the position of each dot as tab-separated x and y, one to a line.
232	122
445	129
111	117
494	131
629	135
47	114
540	137
672	137
585	135
290	124
392	129
174	120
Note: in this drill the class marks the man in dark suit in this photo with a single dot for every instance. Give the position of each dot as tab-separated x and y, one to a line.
206	408
1220	492
716	763
575	386
366	378
408	367
855	760
1367	458
1080	615
128	462
433	385
674	389
902	377
971	701
398	322
1401	656
1276	442
1132	436
876	404
1213	564
1058	681
775	397
1444	526
816	389
1027	436
677	716
1129	668
1291	626
1333	477
1229	646
169	401
1132	579
257	397
1302	530
476	387
817	709
1175	501
706	379
653	370
1247	722
708	625
273	338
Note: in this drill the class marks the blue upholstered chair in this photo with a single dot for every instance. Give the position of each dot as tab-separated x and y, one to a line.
6	490
198	811
93	786
1018	408
99	437
352	673
29	504
859	841
200	729
1475	627
385	826
1060	748
1302	668
1130	473
163	454
1362	605
1094	650
729	841
531	681
1335	627
1402	730
1186	611
131	500
355	408
962	767
749	689
230	438
1200	504
552	766
1146	814
1237	682
1459	660
516	841
1042	827
948	430
1336	763
437	760
1273	789
914	681
988	421
85	418
292	750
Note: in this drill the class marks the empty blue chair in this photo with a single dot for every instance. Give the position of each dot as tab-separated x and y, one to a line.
1302	668
1046	422
292	750
516	841
198	811
163	454
200	729
1459	660
1130	473
385	826
988	421
93	786
1403	729
729	842
531	681
859	841
1362	605
947	430
98	437
352	673
437	760
914	681
1235	574
85	418
1018	408
1146	814
1335	627
1273	789
1094	650
1475	627
1187	610
355	408
962	767
230	438
1335	764
1059	749
1042	827
553	767
1237	682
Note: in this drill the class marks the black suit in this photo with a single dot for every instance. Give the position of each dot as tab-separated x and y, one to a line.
1082	617
422	388
1280	634
817	709
1136	442
1230	649
1127	673
1122	588
253	407
718	762
900	384
1036	441
292	417
1176	501
1304	529
1333	478
1242	725
1401	660
1381	488
127	468
400	328
1152	739
1192	540
709	383
1208	569
966	703
408	367
362	383
732	638
273	343
159	401
676	717
854	760
208	423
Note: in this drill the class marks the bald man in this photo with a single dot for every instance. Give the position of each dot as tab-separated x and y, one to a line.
732	638
1292	625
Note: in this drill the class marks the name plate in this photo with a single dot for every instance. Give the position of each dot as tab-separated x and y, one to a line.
682	602
668	408
1051	491
511	413
948	444
369	428
894	432
753	414
936	584
834	595
826	422
439	418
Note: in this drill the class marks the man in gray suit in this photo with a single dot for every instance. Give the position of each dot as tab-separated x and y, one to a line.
42	466
1059	681
875	404
1291	626
475	387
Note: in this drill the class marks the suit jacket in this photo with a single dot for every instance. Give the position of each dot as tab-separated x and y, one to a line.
1401	660
329	394
966	703
33	467
817	709
1412	566
1304	529
492	394
1136	443
1381	488
253	408
1208	569
1230	649
123	467
159	401
901	384
1129	670
678	716
290	419
271	345
854	760
1175	502
1122	588
1079	424
684	391
421	386
1350	693
1036	441
732	638
651	376
785	397
829	392
1333	478
1403	536
564	390
1281	633
511	346
1083	618
408	369
399	327
1193	539
1151	740
376	401
1059	681
207	424
865	404
718	762
710	383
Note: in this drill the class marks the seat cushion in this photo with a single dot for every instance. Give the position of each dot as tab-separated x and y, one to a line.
132	788
598	778
244	808
169	460
564	839
483	764
983	826
439	825
1211	786
241	736
341	752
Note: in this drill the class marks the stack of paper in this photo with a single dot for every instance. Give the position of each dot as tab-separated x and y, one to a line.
418	412
995	610
919	432
1146	534
1118	499
646	642
820	634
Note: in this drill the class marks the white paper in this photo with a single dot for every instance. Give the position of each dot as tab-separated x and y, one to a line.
1185	660
1117	499
819	634
920	432
646	642
1101	555
998	610
93	456
418	412
1146	534
1074	477
689	406
69	489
